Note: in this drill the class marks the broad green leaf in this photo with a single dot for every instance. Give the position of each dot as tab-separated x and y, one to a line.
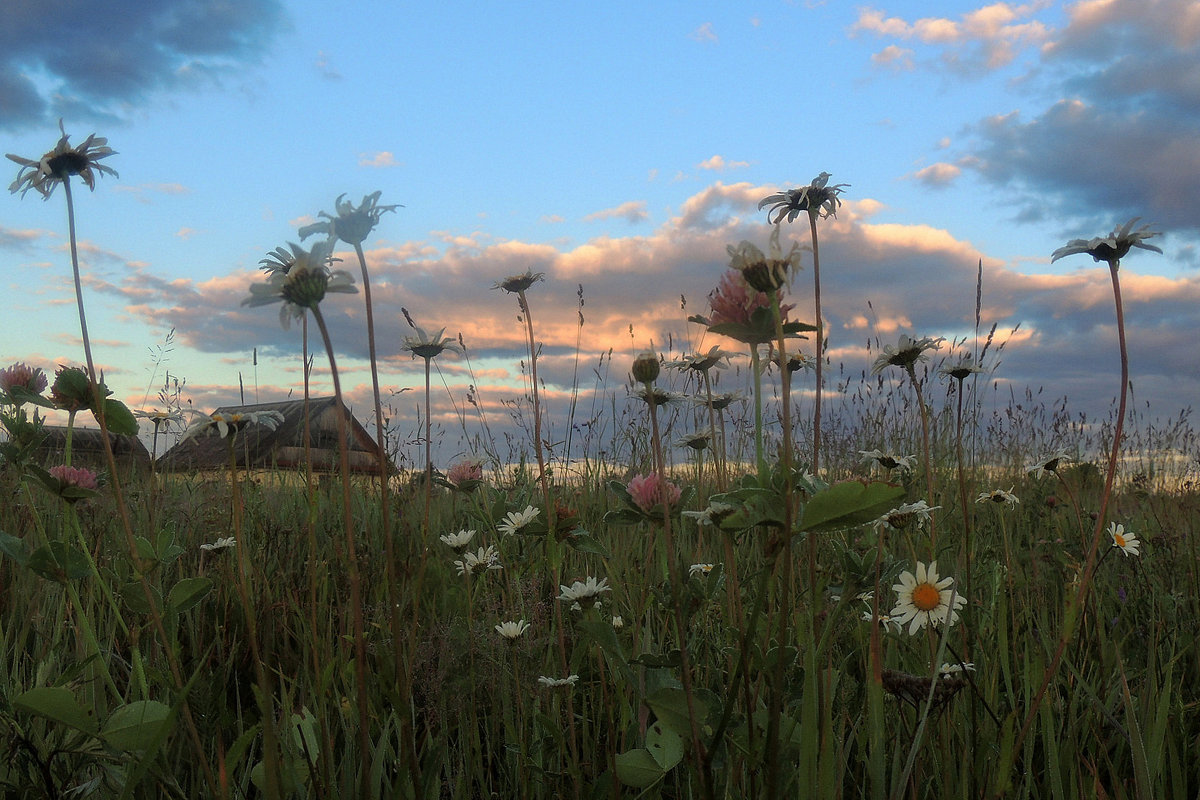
187	593
753	506
59	562
584	542
58	704
638	768
135	726
670	706
14	548
665	745
849	503
119	418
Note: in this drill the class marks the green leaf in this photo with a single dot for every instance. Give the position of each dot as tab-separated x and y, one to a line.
59	562
119	418
665	745
187	593
584	542
638	768
754	506
849	503
670	706
14	548
135	596
58	704
136	725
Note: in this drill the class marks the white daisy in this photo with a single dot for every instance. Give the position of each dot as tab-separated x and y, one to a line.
581	592
923	599
1128	542
219	544
905	516
555	683
888	460
512	630
480	561
999	496
516	520
700	570
457	541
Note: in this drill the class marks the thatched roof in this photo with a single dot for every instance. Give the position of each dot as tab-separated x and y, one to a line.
87	448
258	447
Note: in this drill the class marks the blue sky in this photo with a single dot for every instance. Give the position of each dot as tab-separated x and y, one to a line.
620	146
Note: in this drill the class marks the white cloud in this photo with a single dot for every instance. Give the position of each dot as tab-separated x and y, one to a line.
631	211
937	175
381	159
704	33
718	163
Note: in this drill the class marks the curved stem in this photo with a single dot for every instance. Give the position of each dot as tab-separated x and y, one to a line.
820	333
537	409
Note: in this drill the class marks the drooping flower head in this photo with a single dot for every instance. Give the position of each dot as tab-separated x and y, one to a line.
1127	541
425	346
1111	248
763	273
888	460
515	284
224	423
817	199
1049	464
702	362
352	224
999	496
924	599
906	353
650	490
58	165
694	441
300	279
906	516
963	369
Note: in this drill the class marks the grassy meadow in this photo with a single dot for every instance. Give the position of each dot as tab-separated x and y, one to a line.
922	590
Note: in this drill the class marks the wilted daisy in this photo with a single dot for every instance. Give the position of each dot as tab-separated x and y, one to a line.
700	570
712	515
999	496
660	397
720	402
484	559
702	362
58	165
694	441
1111	248
1128	542
558	683
906	353
512	630
425	346
353	223
818	198
924	599
224	423
584	592
762	272
457	541
301	284
516	520
887	460
1049	464
905	516
219	544
515	284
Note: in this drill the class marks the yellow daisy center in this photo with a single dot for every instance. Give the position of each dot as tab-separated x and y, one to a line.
926	597
1119	539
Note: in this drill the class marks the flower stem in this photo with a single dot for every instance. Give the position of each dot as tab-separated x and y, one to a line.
820	334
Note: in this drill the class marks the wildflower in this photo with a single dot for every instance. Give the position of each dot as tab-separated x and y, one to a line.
696	441
660	397
906	353
352	224
301	284
1050	463
646	368
426	346
962	370
486	558
587	591
650	491
618	621
457	541
515	284
712	515
885	620
558	683
700	570
702	362
734	301
72	390
999	496
226	422
75	477
1111	248
923	599
762	273
817	199
219	544
946	670
58	165
1128	542
512	630
888	460
21	378
516	520
905	516
720	402
465	474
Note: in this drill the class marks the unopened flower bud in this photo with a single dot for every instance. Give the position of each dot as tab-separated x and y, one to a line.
645	368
